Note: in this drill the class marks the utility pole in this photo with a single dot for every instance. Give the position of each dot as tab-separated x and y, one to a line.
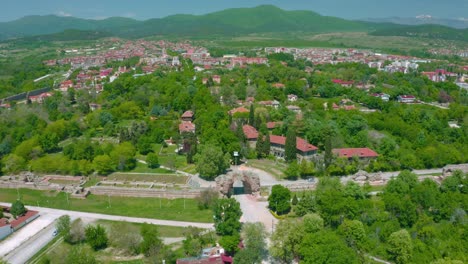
108	200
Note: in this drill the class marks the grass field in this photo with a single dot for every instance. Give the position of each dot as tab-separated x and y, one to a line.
160	178
274	168
164	231
156	208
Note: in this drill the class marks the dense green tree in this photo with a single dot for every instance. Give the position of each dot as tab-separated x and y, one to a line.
103	164
354	233
226	215
152	160
290	151
17	209
306	204
63	225
211	161
96	237
80	255
152	243
254	240
286	240
326	247
400	246
293	171
279	200
230	243
312	223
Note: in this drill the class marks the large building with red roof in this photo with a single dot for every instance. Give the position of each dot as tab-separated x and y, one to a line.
278	143
361	153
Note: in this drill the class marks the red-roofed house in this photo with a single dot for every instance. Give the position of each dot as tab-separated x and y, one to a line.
304	149
343	83
408	99
278	85
65	85
187	116
361	153
251	135
217	79
186	127
273	125
239	110
278	143
39	98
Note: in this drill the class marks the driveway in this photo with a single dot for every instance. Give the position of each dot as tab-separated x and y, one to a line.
255	211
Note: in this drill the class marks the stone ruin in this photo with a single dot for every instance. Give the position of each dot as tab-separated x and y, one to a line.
364	176
450	169
251	182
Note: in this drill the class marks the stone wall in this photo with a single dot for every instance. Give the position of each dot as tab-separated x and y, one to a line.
140	192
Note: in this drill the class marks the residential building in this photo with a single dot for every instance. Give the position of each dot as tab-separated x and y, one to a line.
292	97
240	110
385	97
407	99
278	144
186	127
187	116
361	153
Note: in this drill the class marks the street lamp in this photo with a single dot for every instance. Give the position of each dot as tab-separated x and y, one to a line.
236	157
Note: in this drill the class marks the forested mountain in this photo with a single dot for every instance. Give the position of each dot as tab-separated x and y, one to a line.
425	31
237	21
422	20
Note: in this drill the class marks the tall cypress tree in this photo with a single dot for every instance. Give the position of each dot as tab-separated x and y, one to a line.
260	146
266	145
290	148
328	157
252	115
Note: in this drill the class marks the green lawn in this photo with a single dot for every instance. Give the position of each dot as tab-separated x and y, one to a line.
143	168
156	208
274	168
161	178
164	231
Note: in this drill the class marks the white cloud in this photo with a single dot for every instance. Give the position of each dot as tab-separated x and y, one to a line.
64	14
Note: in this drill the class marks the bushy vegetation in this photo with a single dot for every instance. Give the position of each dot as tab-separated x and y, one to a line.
410	222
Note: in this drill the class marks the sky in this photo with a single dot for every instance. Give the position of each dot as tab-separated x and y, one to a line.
145	9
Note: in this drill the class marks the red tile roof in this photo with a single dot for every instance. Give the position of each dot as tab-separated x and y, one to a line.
3	222
250	132
355	152
272	125
23	218
239	110
301	144
188	114
187	127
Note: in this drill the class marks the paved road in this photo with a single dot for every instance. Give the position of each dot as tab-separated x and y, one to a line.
76	214
23	235
27	249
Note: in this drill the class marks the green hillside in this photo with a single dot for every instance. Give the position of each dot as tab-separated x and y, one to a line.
235	21
229	22
425	31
